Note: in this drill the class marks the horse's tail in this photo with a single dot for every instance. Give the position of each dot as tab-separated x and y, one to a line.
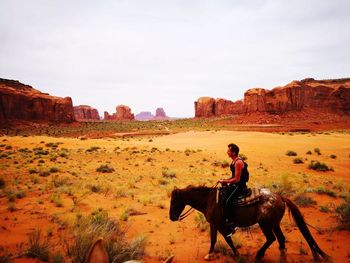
299	220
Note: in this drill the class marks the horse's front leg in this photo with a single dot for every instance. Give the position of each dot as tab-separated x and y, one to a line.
224	232
213	237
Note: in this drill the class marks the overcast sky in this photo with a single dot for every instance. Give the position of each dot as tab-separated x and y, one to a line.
149	54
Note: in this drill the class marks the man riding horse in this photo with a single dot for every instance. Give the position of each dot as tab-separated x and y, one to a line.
236	185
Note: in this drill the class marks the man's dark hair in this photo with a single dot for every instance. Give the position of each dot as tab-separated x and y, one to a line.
233	148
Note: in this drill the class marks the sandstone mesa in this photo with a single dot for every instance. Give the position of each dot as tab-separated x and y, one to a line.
324	95
86	113
123	112
22	102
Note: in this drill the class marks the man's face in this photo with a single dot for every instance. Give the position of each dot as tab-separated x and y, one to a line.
229	153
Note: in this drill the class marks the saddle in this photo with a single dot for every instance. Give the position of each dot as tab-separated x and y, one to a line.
247	197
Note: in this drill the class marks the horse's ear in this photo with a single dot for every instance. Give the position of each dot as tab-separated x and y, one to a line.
97	253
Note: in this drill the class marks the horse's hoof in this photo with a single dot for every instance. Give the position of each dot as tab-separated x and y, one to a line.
209	257
258	257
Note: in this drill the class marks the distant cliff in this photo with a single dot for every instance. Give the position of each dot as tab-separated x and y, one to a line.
148	116
122	113
85	113
24	103
324	95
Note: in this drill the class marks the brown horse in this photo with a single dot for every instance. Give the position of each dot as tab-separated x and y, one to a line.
267	212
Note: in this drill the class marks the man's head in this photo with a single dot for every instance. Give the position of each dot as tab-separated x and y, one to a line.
233	150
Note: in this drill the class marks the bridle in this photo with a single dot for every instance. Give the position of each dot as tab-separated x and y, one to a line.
190	210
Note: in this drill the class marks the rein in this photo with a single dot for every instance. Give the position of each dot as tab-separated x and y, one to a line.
190	210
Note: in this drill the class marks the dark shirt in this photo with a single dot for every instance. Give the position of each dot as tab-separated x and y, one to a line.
244	175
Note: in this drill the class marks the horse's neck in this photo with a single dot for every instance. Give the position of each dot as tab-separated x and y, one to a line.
198	200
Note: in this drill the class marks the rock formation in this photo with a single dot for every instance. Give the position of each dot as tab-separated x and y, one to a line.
144	116
325	95
122	113
85	113
24	103
160	114
205	107
148	116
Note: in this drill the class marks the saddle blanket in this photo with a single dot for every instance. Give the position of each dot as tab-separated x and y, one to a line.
252	197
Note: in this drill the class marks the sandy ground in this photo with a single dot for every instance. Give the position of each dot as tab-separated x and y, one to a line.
137	183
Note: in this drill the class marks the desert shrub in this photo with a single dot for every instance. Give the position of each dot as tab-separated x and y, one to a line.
95	188
243	157
224	164
343	212
121	193
2	183
11	196
154	149
298	160
201	222
44	173
93	149
162	181
168	173
187	152
32	170
318	151
149	159
54	169
324	191
309	152
57	257
304	201
318	166
40	151
324	208
56	199
11	206
37	248
284	187
291	153
333	156
125	215
53	157
20	194
24	150
104	168
52	145
88	229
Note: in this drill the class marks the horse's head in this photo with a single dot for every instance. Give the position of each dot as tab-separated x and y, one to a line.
177	205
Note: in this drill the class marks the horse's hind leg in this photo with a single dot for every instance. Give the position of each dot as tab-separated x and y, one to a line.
270	238
280	237
281	241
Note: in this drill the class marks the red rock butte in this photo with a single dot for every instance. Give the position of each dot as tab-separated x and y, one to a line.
86	113
122	113
20	102
322	95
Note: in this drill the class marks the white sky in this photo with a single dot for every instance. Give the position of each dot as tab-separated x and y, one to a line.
149	54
